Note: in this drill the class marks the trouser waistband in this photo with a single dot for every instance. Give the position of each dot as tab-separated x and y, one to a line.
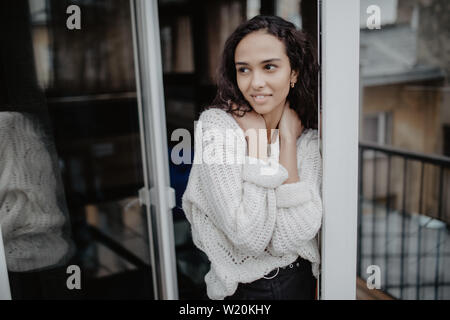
292	267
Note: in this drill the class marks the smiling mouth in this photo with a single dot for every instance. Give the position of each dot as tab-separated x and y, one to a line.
261	98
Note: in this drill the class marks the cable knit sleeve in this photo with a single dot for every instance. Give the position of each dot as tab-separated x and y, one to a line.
30	217
236	194
299	205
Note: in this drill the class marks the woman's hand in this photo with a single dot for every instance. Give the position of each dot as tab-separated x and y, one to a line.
251	120
251	123
290	125
290	128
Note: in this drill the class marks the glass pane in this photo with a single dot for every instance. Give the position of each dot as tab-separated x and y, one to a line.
71	220
404	211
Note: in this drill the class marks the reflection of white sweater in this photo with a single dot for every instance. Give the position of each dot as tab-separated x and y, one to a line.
249	223
30	218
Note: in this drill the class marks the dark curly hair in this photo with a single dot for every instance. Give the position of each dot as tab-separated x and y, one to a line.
301	53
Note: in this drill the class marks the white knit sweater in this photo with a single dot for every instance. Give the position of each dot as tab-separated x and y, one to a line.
249	223
30	217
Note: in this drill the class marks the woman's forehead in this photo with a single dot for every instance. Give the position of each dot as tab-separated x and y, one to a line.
258	47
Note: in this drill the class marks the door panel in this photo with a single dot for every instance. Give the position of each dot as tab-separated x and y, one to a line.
81	216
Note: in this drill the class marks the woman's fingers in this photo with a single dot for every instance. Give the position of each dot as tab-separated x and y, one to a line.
290	123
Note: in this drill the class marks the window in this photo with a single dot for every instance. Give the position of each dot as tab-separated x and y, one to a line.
377	128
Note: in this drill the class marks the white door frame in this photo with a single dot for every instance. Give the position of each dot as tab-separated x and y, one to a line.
340	99
157	194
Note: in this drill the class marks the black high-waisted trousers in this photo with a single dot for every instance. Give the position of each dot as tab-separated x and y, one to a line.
291	283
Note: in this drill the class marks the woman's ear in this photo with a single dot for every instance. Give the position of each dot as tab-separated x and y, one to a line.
294	76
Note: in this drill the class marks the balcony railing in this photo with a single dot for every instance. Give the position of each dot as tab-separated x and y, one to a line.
403	221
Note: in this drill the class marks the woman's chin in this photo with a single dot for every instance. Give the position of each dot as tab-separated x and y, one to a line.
262	109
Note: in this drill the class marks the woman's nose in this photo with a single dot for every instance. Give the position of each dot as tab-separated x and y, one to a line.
258	80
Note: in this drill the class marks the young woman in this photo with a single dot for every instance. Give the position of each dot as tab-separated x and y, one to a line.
256	222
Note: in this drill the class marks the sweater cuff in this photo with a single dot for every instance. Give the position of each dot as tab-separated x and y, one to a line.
268	174
292	194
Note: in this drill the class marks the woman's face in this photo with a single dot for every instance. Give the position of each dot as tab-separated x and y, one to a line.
263	71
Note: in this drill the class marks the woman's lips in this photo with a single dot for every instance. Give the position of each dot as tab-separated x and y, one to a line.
261	98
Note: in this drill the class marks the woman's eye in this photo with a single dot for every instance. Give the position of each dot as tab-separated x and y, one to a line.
270	67
243	70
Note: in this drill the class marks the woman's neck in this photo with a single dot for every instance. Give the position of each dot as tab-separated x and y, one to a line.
272	119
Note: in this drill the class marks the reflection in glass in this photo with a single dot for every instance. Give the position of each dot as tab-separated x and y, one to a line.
79	148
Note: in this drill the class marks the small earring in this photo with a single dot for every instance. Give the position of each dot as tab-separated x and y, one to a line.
292	84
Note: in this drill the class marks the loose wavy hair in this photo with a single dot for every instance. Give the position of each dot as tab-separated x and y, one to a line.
301	53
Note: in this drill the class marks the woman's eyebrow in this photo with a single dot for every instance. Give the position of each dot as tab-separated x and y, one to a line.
265	61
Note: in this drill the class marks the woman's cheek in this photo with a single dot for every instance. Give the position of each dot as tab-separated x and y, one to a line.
239	81
283	92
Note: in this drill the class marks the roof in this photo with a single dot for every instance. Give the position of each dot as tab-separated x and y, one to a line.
389	55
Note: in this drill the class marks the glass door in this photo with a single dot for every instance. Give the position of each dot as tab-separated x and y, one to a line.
84	203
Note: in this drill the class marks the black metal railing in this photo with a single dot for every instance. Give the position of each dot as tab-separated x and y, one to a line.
409	244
